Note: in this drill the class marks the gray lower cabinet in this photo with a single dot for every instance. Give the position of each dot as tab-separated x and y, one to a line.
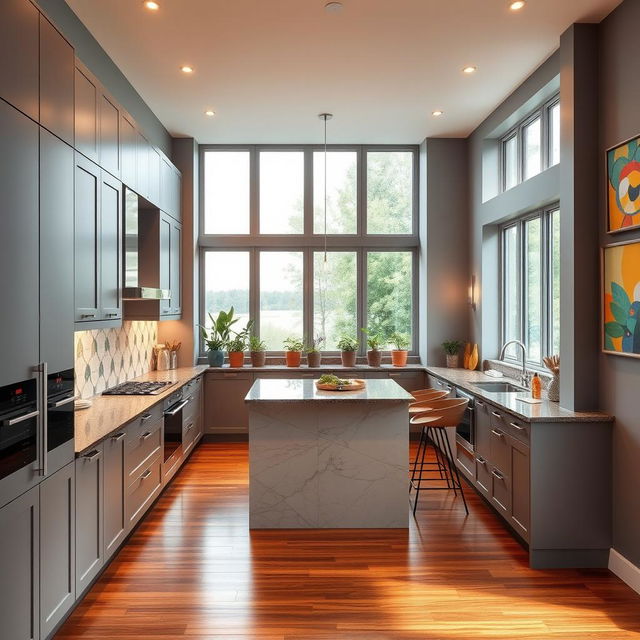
57	547
520	487
409	380
225	410
89	516
19	564
115	517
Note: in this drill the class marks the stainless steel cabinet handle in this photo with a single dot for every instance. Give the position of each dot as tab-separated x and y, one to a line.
480	404
117	436
517	426
173	412
481	461
112	315
497	433
19	419
61	403
189	427
145	435
146	474
144	417
90	457
497	474
88	315
496	414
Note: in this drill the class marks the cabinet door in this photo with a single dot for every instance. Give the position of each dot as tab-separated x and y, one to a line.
110	247
57	547
86	113
115	519
408	380
175	272
87	239
520	487
19	565
128	136
500	492
225	410
57	64
483	429
154	176
170	189
142	165
89	522
56	252
165	260
19	72
109	146
436	383
18	245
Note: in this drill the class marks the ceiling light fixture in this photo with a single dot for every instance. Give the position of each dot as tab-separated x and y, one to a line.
186	68
152	6
469	70
333	7
210	113
325	117
517	5
437	113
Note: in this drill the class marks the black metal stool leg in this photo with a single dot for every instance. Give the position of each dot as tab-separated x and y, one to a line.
419	484
444	461
454	469
442	470
421	444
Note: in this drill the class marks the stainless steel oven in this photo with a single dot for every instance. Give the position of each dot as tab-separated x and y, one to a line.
466	430
173	419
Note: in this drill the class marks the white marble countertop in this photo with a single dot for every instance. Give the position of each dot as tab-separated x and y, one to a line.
290	390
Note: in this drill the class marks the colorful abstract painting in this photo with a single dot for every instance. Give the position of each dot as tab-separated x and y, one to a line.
623	197
621	304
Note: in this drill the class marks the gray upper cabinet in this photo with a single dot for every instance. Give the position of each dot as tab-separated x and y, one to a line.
110	247
89	517
115	518
19	563
19	244
175	269
142	165
170	185
57	548
86	112
87	239
19	72
154	176
166	222
56	252
57	64
128	139
109	114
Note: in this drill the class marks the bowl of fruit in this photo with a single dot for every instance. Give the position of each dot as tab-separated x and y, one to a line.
329	382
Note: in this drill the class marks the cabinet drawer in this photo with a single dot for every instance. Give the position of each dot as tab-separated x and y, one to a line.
143	442
500	492
466	462
148	420
189	433
518	429
483	476
499	447
143	491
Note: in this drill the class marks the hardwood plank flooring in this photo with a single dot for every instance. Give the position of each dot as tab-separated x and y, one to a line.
193	570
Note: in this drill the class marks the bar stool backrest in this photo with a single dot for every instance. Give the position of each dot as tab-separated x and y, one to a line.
448	414
431	405
435	394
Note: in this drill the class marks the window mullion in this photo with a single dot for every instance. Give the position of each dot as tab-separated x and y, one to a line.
307	295
361	293
254	289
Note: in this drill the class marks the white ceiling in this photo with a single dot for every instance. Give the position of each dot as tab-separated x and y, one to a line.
268	67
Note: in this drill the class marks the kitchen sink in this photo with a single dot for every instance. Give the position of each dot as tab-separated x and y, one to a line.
499	387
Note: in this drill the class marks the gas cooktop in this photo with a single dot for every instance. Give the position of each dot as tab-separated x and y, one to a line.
137	389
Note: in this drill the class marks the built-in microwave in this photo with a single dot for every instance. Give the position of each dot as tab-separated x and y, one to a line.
466	429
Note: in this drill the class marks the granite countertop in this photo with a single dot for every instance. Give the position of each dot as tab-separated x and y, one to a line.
546	411
292	391
108	413
322	367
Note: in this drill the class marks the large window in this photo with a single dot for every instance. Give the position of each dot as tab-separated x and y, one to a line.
531	146
271	259
531	284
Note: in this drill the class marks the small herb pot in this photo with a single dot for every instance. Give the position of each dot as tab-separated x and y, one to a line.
258	358
374	357
236	359
293	358
399	357
216	358
348	358
453	360
313	359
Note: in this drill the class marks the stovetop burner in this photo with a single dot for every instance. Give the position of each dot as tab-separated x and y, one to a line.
137	389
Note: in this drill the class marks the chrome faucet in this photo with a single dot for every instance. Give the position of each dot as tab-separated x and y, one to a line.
525	378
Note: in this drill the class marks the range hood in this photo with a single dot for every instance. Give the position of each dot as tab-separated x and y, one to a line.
140	276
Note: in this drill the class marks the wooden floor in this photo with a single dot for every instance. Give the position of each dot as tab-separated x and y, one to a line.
193	570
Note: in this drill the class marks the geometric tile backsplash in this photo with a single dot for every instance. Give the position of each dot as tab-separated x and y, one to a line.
106	357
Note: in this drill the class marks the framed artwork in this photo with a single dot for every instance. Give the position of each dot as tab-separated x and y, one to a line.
623	186
621	299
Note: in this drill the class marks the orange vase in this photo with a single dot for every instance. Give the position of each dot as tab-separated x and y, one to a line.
236	359
473	358
293	358
399	357
467	355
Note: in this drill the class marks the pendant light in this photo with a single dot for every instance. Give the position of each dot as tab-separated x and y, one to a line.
325	117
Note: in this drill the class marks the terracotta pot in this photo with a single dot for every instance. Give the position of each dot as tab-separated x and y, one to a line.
313	359
453	360
399	357
293	358
348	358
236	359
258	358
374	357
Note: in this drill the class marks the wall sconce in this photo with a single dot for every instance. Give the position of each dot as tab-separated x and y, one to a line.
472	293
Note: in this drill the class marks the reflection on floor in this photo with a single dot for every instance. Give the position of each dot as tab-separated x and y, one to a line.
193	570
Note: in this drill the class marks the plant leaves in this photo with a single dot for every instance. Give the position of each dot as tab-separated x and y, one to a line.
614	329
620	297
608	344
621	315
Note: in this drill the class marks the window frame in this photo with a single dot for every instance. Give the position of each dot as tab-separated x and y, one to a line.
546	282
309	242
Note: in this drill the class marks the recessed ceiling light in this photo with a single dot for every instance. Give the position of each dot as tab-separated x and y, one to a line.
152	6
333	7
186	68
517	5
469	70
210	113
437	113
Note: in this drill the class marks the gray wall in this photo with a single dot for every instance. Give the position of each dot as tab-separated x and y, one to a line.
619	376
94	56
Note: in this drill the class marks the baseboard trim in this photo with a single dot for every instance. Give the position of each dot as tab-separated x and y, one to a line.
625	570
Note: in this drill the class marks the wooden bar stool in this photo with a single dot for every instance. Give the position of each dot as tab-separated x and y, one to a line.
434	422
428	394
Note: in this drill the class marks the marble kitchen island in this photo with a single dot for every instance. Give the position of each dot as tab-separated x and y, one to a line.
328	459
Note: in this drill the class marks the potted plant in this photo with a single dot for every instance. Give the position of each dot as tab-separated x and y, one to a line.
401	343
314	356
348	346
293	351
237	345
374	342
452	348
217	337
258	350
